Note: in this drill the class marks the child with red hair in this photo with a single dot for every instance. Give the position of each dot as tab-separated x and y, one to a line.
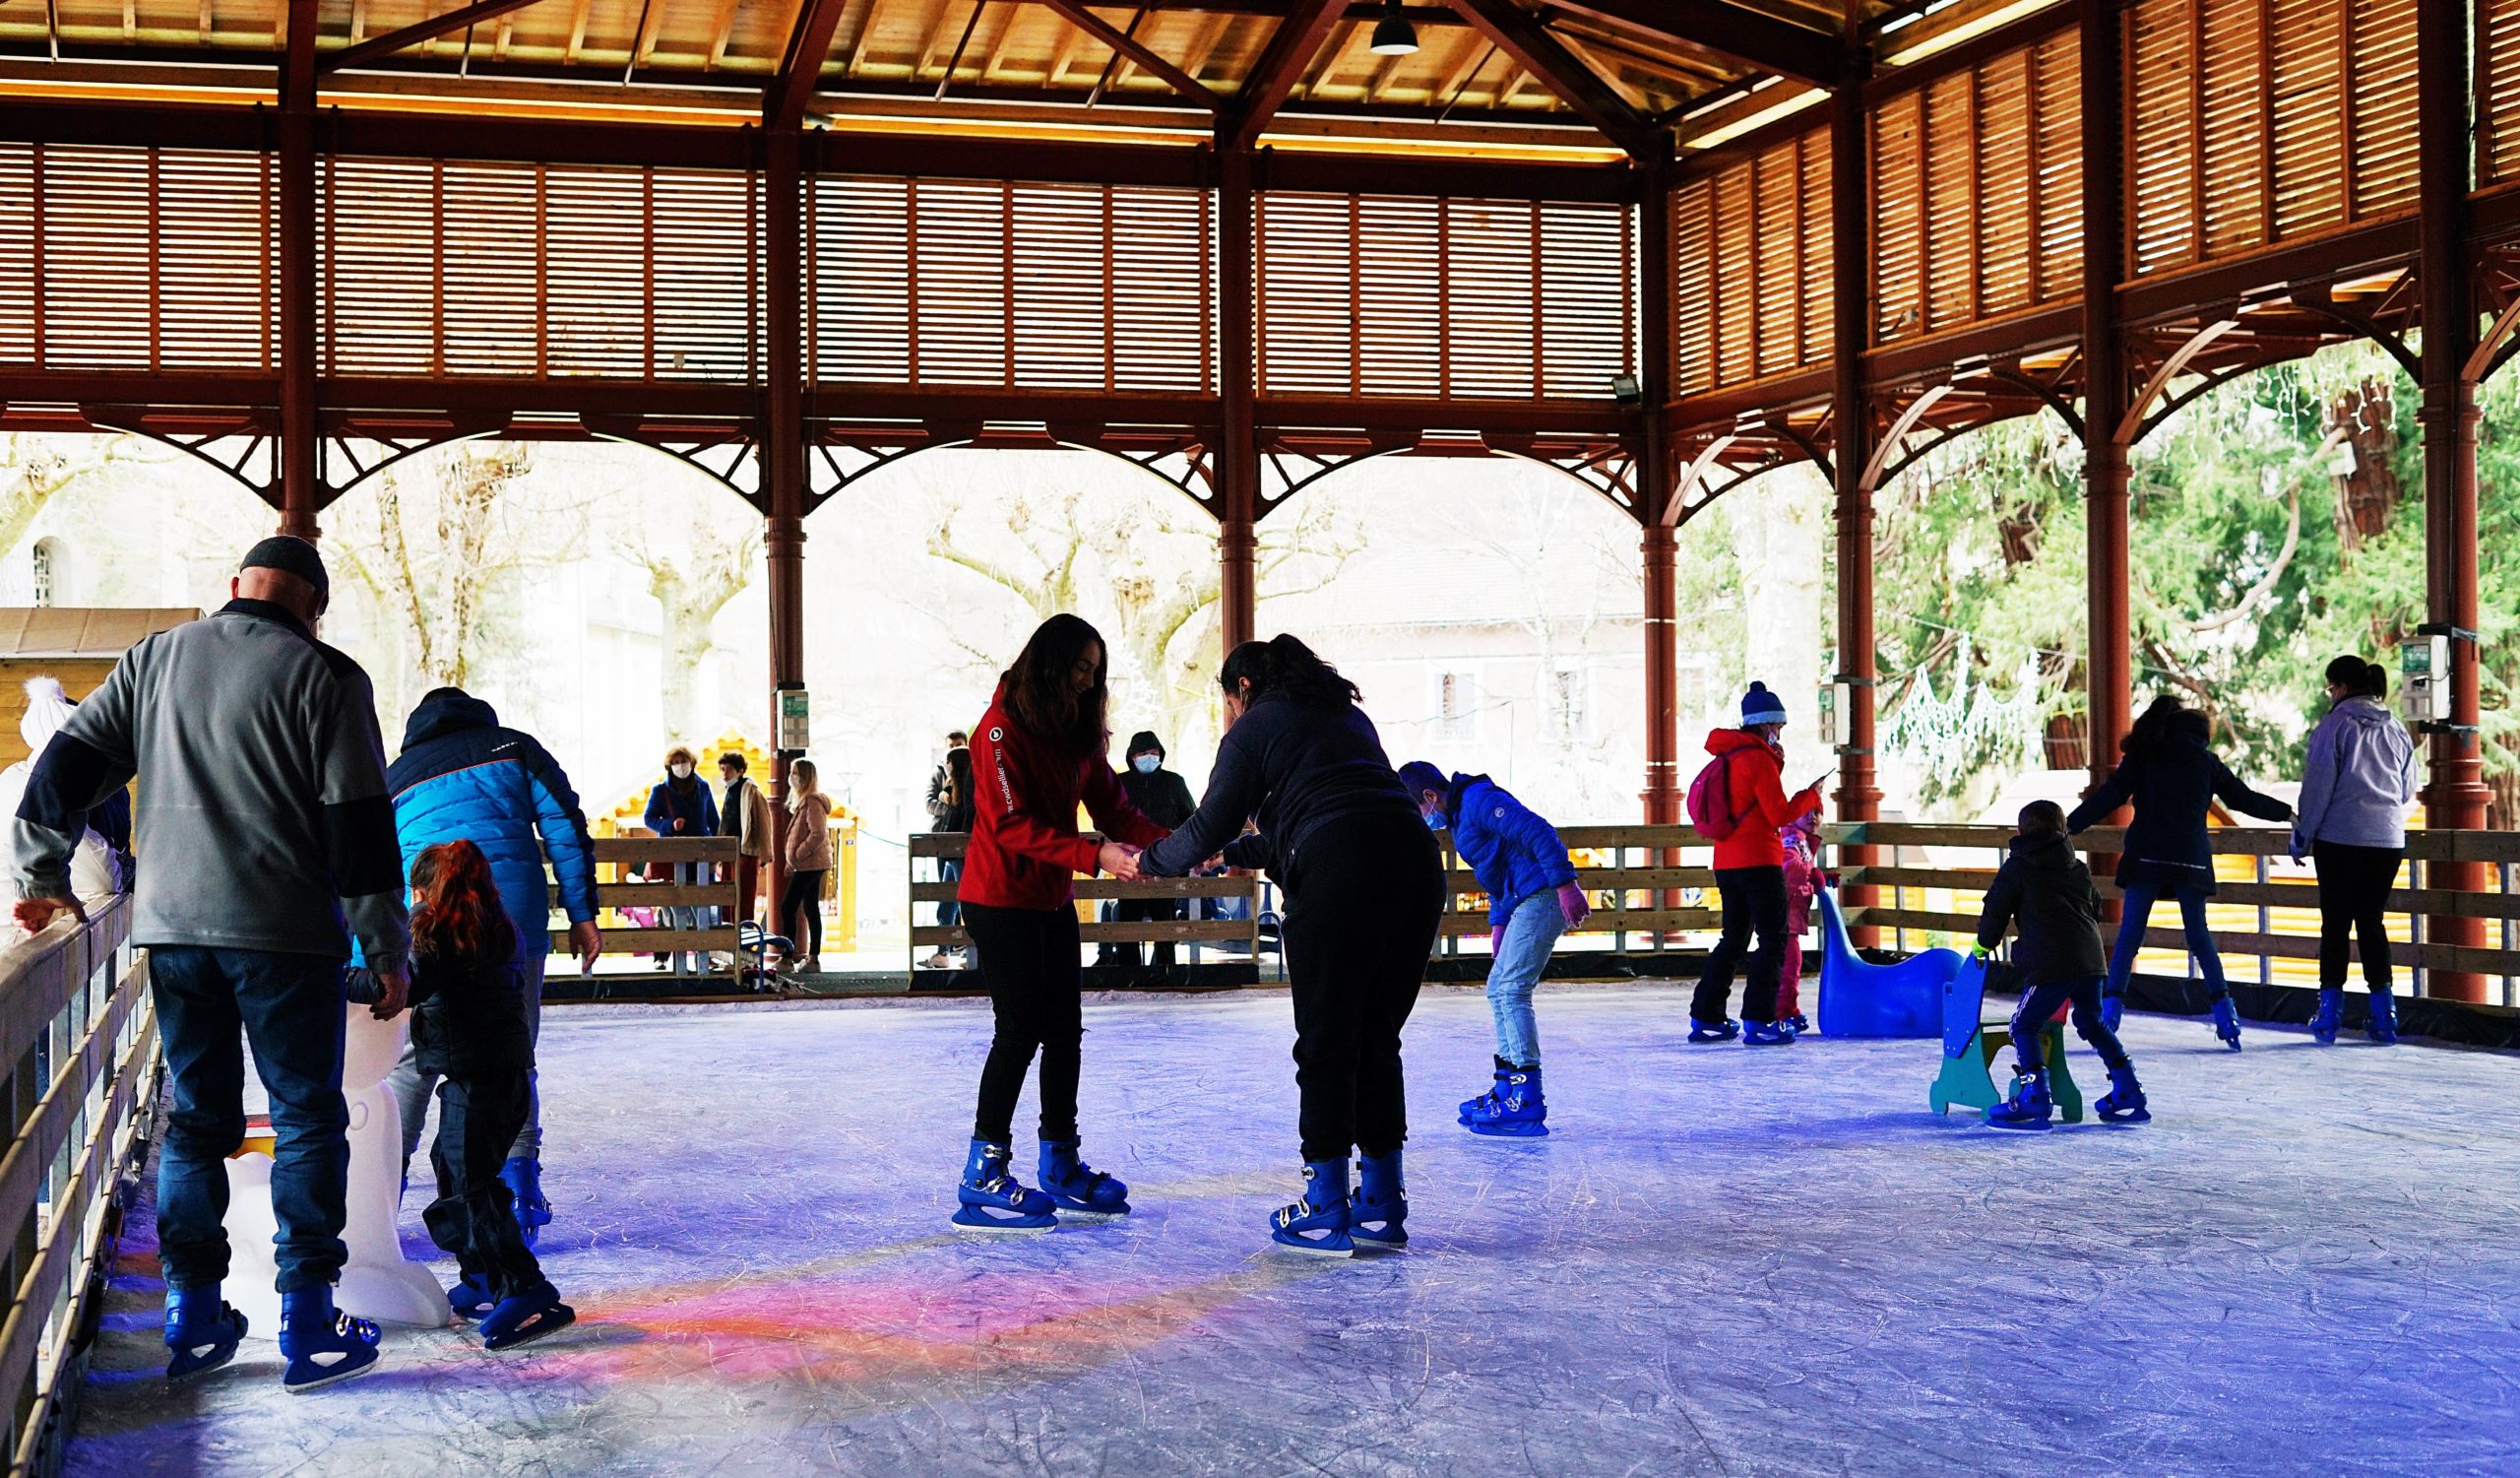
468	1031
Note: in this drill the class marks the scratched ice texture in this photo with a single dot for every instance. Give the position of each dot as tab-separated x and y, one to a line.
1724	1261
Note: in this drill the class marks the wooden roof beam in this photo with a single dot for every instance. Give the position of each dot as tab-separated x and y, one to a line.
1121	43
1779	46
1282	65
412	34
1520	34
800	67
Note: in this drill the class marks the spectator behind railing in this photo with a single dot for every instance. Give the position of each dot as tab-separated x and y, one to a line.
2358	783
808	859
96	868
2172	780
263	807
680	805
949	807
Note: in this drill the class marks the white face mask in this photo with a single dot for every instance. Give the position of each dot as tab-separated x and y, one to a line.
1148	764
681	772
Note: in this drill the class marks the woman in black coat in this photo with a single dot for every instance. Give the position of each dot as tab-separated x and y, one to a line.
2172	779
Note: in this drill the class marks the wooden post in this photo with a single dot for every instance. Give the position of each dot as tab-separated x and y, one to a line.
2457	796
2108	671
1237	459
1658	484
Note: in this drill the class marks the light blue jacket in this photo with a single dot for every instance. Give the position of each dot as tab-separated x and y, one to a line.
2358	782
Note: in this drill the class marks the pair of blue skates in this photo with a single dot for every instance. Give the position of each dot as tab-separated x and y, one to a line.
1329	1221
2032	1107
1781	1032
322	1345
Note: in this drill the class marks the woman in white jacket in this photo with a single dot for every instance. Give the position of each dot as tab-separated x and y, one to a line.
2357	788
94	872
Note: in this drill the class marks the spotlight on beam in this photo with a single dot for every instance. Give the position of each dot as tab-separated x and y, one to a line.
1393	35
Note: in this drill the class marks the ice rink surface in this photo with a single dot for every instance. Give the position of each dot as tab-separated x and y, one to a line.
1722	1262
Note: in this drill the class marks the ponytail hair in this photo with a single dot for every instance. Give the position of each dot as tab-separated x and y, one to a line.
456	912
1284	664
2375	680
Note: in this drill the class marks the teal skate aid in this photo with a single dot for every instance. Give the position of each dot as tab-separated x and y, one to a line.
1319	1223
992	1200
1969	1043
323	1345
1074	1186
1379	1215
202	1331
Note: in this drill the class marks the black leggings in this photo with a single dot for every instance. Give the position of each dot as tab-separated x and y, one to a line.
801	905
2038	1006
2353	899
1753	906
1362	906
1028	958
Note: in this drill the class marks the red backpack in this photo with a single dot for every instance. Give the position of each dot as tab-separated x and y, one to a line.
1710	798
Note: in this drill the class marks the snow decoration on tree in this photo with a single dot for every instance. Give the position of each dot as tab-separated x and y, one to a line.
1950	738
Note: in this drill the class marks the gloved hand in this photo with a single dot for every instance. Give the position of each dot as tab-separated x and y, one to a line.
1979	953
2113	1009
1572	902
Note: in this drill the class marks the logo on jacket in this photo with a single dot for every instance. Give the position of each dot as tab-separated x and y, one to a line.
997	734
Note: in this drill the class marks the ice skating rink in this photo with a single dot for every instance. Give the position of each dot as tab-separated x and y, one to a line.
1722	1262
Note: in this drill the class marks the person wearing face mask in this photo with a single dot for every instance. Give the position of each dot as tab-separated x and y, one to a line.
1738	802
680	805
1163	798
1532	899
1364	888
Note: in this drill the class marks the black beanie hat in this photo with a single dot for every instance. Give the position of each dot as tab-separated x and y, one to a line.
290	555
1143	741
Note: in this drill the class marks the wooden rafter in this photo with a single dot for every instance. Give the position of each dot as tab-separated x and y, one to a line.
1521	35
801	66
721	32
1283	63
459	19
578	29
1120	41
1734	31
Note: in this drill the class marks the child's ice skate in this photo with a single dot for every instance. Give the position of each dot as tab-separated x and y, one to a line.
1766	1034
202	1331
1379	1215
1713	1031
1319	1223
2029	1108
525	1318
1473	1108
470	1297
2125	1100
2384	1018
992	1200
1077	1188
1516	1110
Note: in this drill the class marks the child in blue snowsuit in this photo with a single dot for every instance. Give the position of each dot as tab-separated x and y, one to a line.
1532	899
2047	891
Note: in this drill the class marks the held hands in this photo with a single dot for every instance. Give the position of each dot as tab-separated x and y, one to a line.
1118	861
1572	902
393	987
586	941
35	915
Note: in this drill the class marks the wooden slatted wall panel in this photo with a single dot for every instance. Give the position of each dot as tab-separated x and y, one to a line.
2497	63
2255	121
1448	299
1976	181
1752	284
990	283
467	267
136	259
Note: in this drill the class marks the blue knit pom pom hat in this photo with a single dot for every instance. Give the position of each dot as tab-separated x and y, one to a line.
1759	706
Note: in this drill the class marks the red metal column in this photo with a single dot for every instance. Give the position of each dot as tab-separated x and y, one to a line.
1850	412
1237	459
783	455
298	432
2457	796
1656	480
2109	670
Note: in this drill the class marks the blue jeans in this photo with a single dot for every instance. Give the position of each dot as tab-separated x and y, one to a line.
1531	932
2140	898
950	911
292	1009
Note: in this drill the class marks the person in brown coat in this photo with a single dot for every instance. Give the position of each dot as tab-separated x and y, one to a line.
743	815
808	859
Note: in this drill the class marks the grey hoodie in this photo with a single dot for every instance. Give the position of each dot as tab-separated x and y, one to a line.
2358	782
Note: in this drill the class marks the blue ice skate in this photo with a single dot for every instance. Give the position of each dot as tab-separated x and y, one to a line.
323	1345
2227	1022
1766	1034
2329	1018
523	1175
2384	1018
992	1200
1516	1110
470	1297
1319	1223
202	1331
1485	1102
2125	1100
1377	1216
1801	1023
1073	1187
2029	1108
2113	1009
525	1318
1713	1031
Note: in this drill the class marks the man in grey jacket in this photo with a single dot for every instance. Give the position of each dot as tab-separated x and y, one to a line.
262	809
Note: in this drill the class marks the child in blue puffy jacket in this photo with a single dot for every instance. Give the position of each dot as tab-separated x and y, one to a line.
1532	899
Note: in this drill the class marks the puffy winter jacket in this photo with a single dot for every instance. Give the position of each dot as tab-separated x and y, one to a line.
2045	888
1025	849
1515	854
1760	805
2173	788
1290	768
2359	780
695	807
462	775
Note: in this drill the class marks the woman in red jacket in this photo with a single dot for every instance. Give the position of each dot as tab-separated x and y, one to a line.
1039	751
1749	871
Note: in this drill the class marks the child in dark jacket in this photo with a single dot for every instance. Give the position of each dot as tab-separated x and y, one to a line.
2045	890
468	1031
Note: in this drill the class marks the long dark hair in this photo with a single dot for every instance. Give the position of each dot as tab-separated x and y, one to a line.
1284	664
2359	679
1040	687
456	914
957	776
2165	719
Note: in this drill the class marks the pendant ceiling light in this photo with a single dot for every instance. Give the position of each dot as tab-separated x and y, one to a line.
1393	35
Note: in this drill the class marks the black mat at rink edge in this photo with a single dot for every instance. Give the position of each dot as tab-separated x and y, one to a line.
2455	1021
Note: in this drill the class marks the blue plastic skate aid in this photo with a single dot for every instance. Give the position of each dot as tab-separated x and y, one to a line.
1964	1005
1859	999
